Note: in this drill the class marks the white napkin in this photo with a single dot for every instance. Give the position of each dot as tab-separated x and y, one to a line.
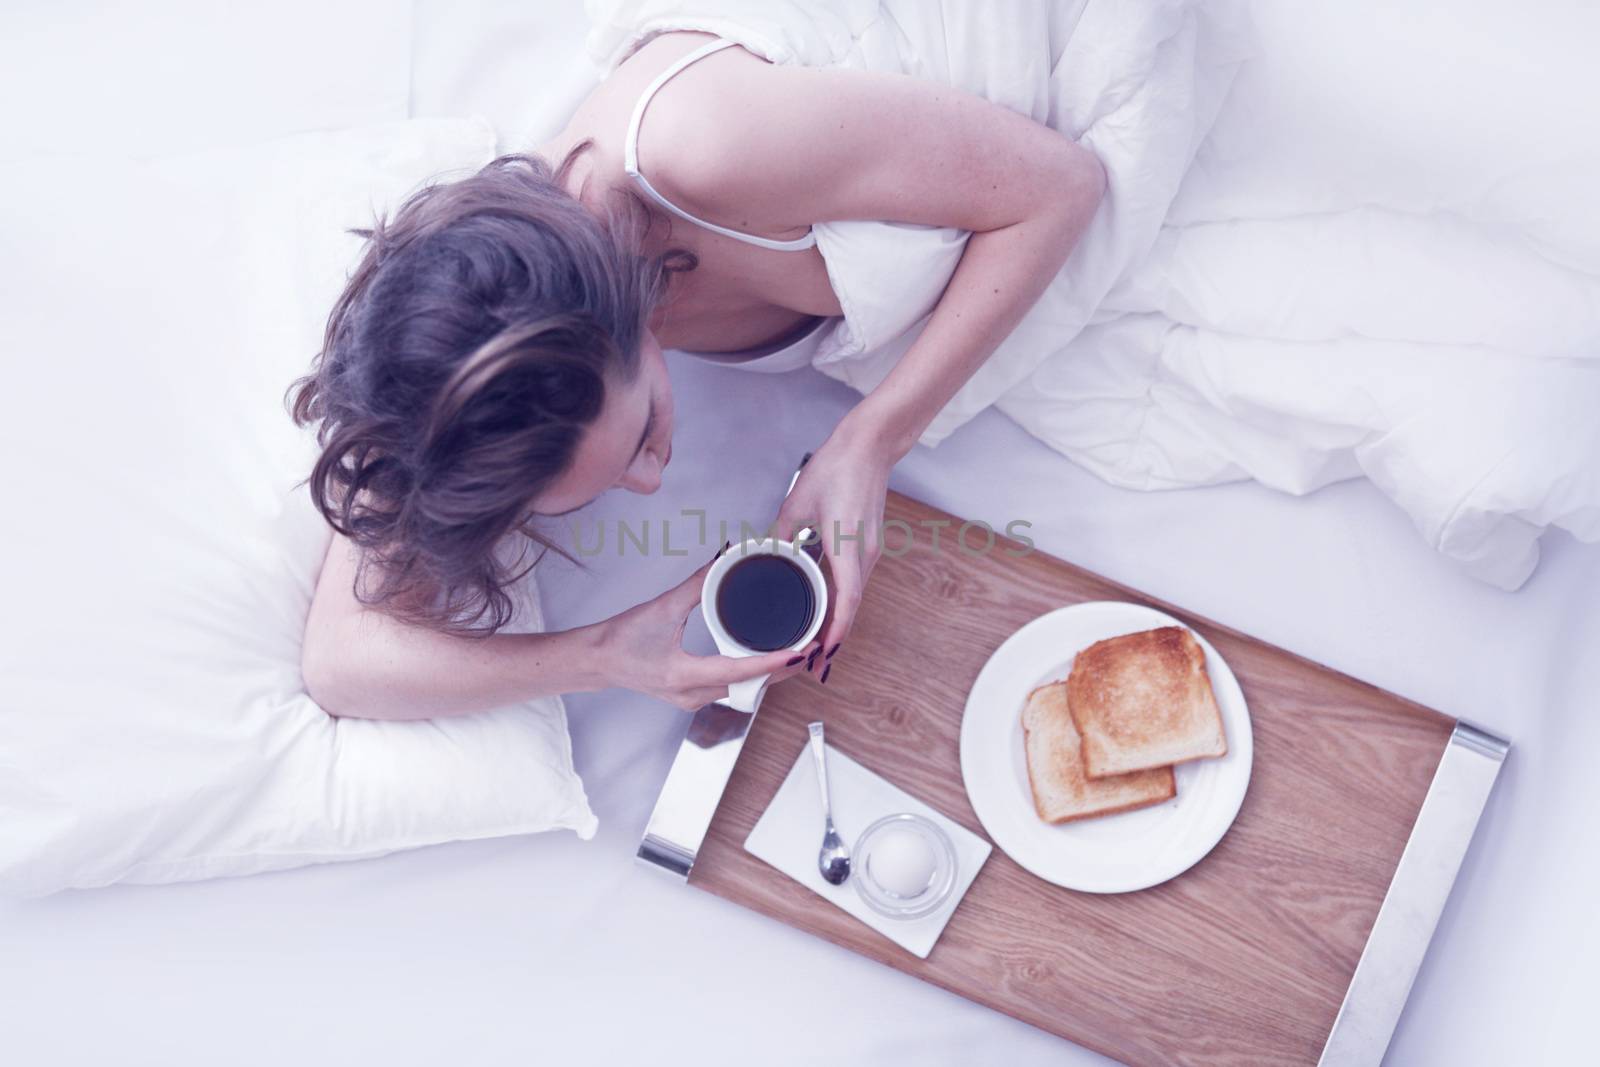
789	833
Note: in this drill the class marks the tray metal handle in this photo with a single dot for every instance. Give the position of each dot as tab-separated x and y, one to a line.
1415	899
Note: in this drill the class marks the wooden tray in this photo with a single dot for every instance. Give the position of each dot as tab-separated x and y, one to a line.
1244	958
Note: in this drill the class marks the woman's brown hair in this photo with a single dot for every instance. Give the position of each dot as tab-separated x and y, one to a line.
467	355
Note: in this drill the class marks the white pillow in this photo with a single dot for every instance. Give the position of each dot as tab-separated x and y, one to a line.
158	565
166	76
481	57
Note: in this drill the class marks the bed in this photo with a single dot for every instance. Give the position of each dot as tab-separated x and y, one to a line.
555	949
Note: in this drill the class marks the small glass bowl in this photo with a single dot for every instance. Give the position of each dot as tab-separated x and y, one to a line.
940	883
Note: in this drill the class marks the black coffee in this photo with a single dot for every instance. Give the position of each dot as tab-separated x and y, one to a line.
765	602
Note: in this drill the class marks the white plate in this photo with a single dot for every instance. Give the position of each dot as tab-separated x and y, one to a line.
1113	853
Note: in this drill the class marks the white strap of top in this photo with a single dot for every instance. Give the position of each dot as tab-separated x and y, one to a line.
630	160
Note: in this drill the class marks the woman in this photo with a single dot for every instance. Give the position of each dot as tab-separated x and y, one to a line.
497	355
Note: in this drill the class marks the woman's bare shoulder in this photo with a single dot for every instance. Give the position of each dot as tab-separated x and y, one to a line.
667	138
688	141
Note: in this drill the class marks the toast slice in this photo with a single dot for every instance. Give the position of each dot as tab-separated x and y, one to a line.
1061	791
1144	700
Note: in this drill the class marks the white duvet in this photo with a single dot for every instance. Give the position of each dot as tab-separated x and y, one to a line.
1298	291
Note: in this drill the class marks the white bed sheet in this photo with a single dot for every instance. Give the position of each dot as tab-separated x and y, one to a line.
549	949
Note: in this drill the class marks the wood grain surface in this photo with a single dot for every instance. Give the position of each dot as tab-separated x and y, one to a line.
1242	959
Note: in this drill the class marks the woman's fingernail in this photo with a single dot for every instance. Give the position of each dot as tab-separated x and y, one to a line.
725	546
832	650
792	662
824	679
811	660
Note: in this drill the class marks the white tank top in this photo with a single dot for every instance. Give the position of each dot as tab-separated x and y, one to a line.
630	159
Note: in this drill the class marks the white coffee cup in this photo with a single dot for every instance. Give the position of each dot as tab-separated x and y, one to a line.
746	695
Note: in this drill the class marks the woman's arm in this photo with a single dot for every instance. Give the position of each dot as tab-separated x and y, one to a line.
789	146
358	662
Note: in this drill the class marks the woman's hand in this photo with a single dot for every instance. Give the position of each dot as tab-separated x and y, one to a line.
642	649
840	495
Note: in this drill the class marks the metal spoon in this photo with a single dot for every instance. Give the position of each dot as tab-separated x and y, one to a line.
833	859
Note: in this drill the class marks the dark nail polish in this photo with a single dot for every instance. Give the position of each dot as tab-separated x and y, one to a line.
811	660
792	662
832	650
824	679
725	546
